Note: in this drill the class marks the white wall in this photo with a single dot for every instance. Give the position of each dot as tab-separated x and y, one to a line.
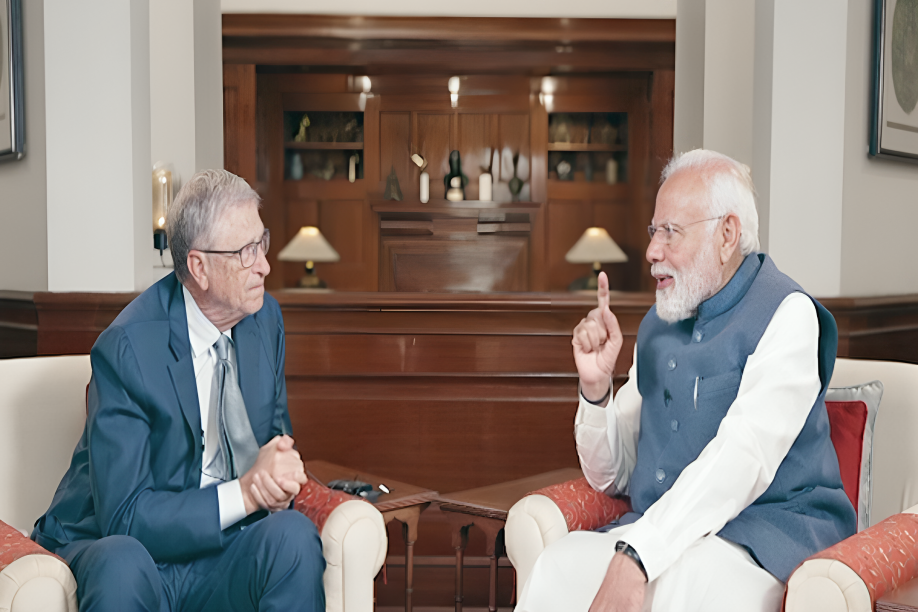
659	9
97	100
23	214
880	196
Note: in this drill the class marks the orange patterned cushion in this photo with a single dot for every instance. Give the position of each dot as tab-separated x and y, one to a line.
584	508
318	501
14	545
884	556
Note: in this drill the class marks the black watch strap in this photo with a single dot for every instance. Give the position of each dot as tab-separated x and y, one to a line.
626	549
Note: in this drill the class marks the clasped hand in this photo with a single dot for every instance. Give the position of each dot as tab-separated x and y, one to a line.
597	342
275	479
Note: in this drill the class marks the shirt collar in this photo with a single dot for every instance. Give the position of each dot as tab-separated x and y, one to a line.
201	332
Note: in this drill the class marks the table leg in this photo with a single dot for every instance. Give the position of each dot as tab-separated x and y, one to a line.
409	518
460	541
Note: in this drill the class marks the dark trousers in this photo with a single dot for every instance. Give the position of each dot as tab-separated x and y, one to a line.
274	564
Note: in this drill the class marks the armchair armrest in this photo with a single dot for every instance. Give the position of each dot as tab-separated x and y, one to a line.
354	544
549	514
584	508
31	578
854	573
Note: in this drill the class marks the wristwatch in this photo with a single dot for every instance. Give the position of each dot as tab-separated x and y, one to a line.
628	551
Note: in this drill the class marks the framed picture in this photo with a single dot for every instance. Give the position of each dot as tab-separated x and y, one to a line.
894	128
12	119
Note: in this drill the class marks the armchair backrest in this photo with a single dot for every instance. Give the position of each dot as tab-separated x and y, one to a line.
895	451
42	413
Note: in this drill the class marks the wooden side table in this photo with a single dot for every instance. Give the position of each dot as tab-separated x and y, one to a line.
487	508
404	504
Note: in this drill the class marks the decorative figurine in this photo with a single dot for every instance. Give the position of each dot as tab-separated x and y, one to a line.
393	191
352	162
455	171
296	167
455	192
301	135
516	183
564	171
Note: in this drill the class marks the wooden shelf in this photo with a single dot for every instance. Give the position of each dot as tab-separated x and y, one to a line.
577	147
324	146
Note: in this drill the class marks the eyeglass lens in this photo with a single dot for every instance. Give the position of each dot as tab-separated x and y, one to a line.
250	253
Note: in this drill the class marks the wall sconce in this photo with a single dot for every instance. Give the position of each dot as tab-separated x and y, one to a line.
596	247
547	94
309	245
364	86
454	91
163	186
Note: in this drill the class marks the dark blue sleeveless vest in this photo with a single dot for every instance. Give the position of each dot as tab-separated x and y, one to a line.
805	509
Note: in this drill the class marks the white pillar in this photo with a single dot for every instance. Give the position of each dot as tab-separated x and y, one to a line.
804	179
97	101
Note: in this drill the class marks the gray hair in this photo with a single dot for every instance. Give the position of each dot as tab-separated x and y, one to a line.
196	212
729	185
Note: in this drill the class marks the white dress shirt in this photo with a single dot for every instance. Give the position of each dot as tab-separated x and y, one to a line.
203	335
779	386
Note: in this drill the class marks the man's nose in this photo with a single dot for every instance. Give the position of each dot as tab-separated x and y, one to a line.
261	264
655	250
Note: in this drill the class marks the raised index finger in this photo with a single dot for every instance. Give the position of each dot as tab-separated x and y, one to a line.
603	292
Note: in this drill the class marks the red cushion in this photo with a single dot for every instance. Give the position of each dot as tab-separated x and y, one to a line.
847	421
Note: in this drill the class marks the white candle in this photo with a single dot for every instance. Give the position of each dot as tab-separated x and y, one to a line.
425	187
484	187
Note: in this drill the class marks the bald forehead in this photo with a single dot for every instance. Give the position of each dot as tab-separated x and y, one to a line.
681	197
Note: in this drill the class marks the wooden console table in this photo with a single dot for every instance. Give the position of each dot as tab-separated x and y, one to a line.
487	508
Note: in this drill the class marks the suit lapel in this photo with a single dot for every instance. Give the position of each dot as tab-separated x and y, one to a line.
250	363
182	370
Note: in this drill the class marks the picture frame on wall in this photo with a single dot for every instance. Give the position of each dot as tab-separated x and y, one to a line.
894	125
12	108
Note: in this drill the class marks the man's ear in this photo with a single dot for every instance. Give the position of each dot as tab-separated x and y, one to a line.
197	269
731	236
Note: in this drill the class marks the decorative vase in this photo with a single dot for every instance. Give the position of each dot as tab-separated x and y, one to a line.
455	171
611	171
455	192
425	188
296	167
484	187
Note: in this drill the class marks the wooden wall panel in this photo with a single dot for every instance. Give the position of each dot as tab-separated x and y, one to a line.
18	324
239	87
567	220
395	146
434	144
475	146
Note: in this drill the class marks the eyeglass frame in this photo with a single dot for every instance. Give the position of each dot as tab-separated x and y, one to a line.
264	243
653	229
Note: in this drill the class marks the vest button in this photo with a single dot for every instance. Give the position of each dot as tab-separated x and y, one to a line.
672	364
667	398
674	425
661	475
699	334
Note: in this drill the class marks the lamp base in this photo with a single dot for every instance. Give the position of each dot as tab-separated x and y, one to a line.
311	281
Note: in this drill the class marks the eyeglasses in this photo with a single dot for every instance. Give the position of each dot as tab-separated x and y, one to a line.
249	253
673	234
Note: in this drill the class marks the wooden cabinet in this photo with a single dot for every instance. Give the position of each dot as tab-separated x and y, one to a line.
608	131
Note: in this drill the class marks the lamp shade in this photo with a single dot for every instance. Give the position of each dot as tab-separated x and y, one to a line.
308	245
595	245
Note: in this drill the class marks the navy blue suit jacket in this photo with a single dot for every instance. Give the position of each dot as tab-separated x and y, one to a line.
137	468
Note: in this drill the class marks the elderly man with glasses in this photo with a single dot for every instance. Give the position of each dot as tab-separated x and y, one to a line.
177	496
720	436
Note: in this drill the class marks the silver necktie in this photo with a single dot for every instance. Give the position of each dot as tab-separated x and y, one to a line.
238	446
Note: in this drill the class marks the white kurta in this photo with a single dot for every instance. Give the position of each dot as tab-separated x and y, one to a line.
779	386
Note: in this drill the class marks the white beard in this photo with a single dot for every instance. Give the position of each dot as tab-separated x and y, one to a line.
690	287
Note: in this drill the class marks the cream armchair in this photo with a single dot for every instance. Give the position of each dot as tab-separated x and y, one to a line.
42	411
848	577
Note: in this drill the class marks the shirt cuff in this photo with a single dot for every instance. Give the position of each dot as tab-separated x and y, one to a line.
230	503
650	545
591	414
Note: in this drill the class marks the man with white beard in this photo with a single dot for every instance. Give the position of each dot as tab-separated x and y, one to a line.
720	436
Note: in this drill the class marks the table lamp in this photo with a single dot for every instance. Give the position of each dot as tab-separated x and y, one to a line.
595	247
309	245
